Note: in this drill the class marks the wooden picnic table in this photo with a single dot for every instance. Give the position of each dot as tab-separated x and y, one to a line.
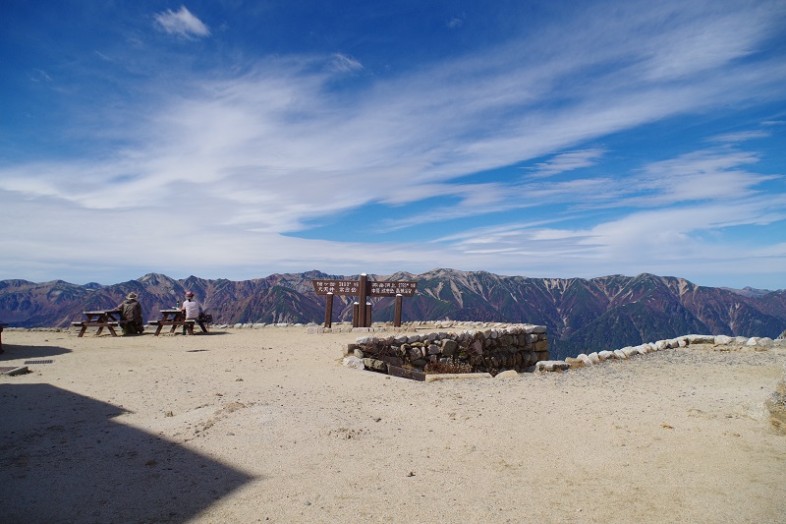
175	318
108	318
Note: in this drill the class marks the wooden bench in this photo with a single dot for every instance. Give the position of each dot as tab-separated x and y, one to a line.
174	323
110	325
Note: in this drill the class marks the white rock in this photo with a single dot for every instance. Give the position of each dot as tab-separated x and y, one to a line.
594	357
620	354
629	351
585	360
700	339
552	365
605	355
723	340
508	374
354	362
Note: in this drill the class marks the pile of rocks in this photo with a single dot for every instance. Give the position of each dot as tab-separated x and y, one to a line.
513	347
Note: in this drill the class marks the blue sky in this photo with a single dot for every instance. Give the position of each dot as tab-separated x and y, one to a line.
233	139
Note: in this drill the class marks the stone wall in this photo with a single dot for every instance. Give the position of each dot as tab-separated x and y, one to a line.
518	347
584	360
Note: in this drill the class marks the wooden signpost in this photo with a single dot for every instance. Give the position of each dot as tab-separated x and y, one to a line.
363	289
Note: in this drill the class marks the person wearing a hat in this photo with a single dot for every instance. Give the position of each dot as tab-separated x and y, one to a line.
131	316
193	311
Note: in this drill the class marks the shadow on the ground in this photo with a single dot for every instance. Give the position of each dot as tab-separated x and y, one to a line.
64	459
16	351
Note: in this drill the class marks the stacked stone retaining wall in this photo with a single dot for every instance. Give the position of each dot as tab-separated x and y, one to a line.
514	347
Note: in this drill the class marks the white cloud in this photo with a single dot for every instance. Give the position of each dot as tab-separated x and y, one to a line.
567	162
455	23
742	136
345	64
181	23
713	174
272	150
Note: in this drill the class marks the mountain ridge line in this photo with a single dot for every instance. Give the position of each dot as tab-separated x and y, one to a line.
581	315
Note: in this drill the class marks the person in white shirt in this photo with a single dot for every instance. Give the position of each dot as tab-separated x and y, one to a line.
193	311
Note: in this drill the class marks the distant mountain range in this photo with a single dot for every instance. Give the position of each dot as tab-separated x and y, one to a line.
582	315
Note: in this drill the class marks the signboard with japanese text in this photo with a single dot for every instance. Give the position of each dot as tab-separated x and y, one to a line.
376	289
337	287
393	288
362	289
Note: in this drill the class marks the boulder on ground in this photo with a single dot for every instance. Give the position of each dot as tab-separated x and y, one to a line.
700	339
552	365
508	374
354	362
630	351
585	360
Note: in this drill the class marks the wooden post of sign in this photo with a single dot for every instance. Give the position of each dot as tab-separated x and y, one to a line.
362	299
362	316
397	311
329	310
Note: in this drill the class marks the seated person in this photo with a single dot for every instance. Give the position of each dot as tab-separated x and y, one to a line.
131	316
193	311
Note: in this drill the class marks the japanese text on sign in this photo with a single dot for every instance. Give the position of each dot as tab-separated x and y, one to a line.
350	287
403	288
337	287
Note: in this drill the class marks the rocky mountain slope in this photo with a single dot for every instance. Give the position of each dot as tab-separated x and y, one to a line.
582	315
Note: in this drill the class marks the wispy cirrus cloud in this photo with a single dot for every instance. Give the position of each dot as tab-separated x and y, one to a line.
710	174
273	147
181	23
742	136
282	122
344	64
569	161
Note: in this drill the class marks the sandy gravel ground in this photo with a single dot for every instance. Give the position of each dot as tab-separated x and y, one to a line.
266	425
